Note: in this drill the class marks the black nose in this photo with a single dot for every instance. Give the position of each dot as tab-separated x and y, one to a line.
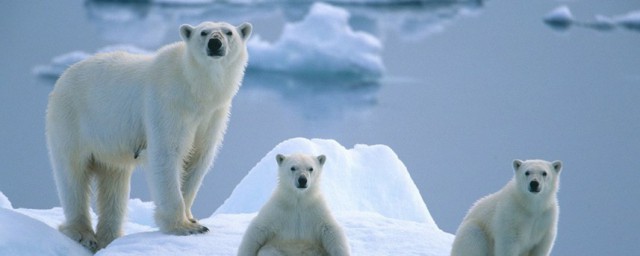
534	186
214	44
302	182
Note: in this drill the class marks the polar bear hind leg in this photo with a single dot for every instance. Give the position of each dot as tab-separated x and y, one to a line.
73	182
113	194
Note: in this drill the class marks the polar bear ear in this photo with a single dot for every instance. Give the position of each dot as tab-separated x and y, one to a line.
186	31
557	165
280	158
321	159
245	30
516	164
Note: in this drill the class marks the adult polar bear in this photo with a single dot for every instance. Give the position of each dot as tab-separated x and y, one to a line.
519	219
174	105
296	220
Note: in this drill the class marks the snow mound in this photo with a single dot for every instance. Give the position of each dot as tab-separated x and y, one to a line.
362	179
322	43
4	202
368	189
21	235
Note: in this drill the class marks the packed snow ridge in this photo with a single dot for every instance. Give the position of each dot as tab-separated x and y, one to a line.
322	44
368	189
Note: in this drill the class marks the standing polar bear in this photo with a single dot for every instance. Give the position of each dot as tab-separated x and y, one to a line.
296	220
173	106
519	219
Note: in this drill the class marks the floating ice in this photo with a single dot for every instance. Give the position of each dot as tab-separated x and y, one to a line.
559	17
630	20
321	44
60	63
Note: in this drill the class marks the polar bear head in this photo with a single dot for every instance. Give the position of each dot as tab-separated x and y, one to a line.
537	176
299	172
216	40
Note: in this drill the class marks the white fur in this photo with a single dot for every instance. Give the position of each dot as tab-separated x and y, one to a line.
514	221
113	111
295	221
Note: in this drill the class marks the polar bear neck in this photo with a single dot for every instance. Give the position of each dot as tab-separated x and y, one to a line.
207	80
288	197
529	202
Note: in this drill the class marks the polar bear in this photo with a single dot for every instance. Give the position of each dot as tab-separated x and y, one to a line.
169	110
296	219
519	219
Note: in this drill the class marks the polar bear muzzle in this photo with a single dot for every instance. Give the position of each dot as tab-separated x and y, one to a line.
302	182
534	186
215	47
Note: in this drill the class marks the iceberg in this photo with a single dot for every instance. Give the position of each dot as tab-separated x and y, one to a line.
323	43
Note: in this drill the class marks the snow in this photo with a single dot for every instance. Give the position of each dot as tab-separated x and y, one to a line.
322	43
21	235
362	179
4	201
368	189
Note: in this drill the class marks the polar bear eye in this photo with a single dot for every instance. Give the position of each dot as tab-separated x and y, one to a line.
293	168
311	169
527	173
229	33
544	174
204	33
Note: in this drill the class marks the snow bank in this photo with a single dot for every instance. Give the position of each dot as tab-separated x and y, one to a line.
21	235
322	43
367	187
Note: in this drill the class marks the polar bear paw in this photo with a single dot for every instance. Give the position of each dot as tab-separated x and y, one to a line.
190	227
84	236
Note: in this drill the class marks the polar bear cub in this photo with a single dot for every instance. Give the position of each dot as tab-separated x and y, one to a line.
519	219
173	106
296	220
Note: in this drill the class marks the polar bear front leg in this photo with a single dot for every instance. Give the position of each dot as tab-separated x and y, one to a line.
544	247
205	146
334	240
168	144
254	238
